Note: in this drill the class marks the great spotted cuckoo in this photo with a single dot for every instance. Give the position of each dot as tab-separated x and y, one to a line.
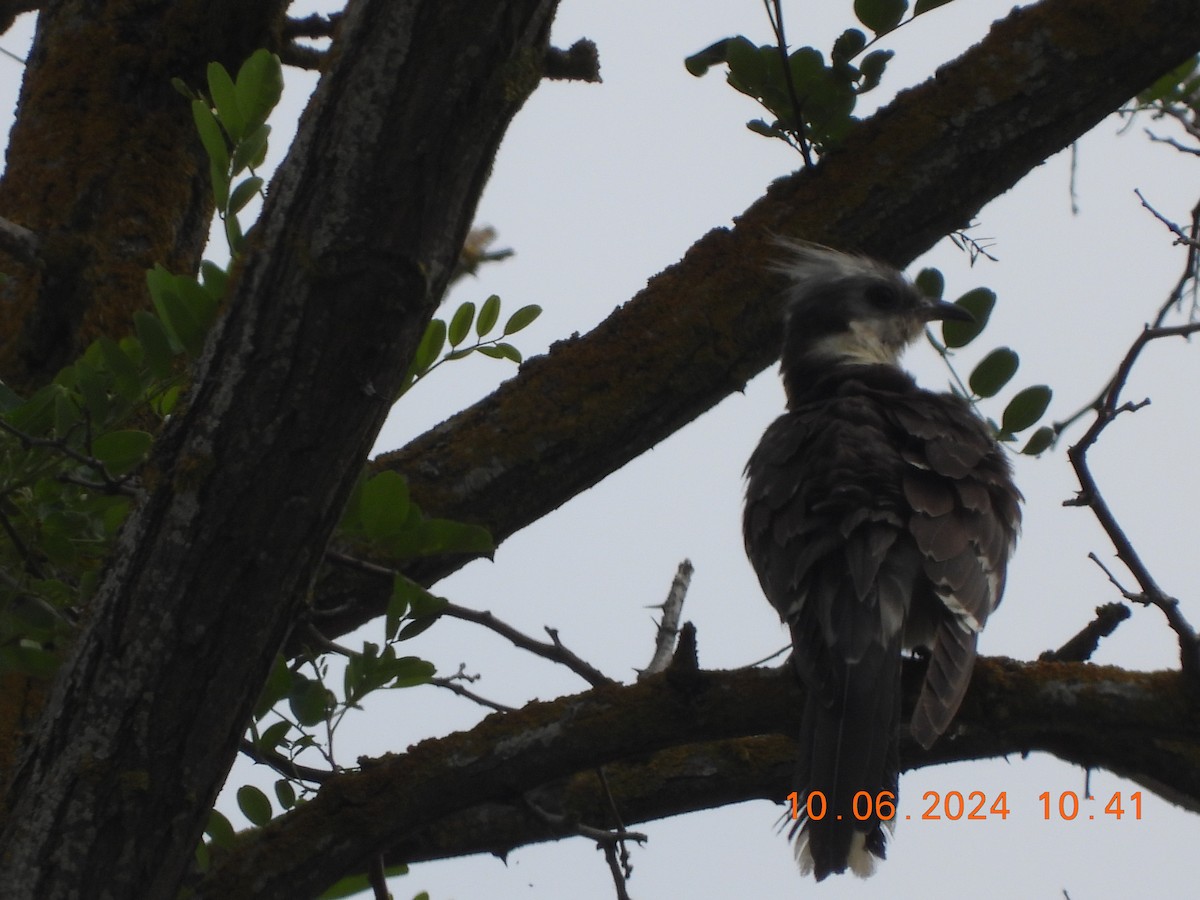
880	518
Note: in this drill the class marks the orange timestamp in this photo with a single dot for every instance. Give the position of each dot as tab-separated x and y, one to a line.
972	807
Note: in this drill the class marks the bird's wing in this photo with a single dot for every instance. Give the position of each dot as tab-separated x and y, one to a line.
964	520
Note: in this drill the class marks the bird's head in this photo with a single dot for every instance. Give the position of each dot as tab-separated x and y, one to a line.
844	309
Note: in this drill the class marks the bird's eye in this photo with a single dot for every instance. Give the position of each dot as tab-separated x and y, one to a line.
883	297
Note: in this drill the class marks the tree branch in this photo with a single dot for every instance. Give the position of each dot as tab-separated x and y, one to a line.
1089	715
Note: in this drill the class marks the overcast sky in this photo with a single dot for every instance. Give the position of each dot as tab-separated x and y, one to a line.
597	188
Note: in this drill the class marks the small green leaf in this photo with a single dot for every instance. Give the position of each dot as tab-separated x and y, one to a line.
275	735
699	63
94	388
994	372
251	150
460	323
415	627
156	345
384	507
502	351
215	280
1025	408
426	604
233	235
36	415
276	688
120	451
522	318
1039	441
433	536
409	671
220	86
881	16
259	86
308	700
979	304
219	829
220	184
116	359
285	793
243	193
210	135
430	347
871	69
488	314
759	126
254	804
930	283
849	44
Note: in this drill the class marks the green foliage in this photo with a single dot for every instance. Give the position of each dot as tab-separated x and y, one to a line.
438	333
811	102
994	372
231	121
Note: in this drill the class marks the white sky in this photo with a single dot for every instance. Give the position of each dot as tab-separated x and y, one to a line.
597	188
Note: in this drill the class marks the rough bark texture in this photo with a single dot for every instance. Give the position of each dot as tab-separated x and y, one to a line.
703	327
104	165
1139	725
249	479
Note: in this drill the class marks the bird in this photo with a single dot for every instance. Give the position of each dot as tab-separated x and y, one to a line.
879	518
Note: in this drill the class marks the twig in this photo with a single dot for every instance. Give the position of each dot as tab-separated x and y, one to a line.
555	651
1181	237
775	15
1108	408
284	766
668	626
1174	300
451	684
607	840
1081	647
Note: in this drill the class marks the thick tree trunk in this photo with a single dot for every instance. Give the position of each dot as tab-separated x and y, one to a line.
361	229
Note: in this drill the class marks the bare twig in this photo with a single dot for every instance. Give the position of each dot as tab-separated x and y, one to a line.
668	626
1107	409
1181	236
1174	301
284	766
451	683
555	651
607	840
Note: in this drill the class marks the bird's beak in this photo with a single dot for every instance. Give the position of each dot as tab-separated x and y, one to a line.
942	311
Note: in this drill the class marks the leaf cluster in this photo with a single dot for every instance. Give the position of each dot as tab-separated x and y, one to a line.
993	373
811	101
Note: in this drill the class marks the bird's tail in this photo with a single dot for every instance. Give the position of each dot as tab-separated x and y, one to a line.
848	775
